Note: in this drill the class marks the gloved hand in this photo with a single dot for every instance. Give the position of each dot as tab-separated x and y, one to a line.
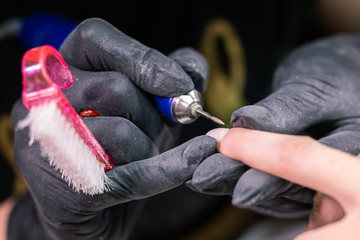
316	92
113	74
98	46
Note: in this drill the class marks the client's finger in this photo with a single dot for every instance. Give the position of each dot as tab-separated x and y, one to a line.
296	158
325	210
346	228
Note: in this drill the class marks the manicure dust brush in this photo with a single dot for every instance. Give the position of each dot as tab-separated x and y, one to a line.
63	137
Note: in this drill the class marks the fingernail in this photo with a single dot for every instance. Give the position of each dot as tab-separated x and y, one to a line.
218	133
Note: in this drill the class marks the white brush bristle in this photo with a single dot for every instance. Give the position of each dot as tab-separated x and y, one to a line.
65	149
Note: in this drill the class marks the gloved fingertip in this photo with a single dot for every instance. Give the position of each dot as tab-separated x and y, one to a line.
199	183
188	182
201	147
243	199
239	202
194	187
254	117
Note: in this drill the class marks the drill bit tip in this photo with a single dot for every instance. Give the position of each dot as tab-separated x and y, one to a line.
217	120
209	116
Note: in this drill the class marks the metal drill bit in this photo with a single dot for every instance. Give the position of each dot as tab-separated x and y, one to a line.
209	116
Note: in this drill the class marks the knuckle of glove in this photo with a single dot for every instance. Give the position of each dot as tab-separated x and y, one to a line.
115	91
86	29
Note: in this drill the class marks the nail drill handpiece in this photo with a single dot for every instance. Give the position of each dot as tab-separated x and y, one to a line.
185	108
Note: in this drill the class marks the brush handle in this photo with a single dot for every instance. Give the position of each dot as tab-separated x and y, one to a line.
44	74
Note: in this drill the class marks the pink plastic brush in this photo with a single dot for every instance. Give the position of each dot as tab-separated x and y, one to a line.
63	137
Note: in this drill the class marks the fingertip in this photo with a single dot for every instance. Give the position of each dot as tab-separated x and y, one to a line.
217	133
231	141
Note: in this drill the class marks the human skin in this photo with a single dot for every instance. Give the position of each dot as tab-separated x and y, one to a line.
5	210
303	160
325	210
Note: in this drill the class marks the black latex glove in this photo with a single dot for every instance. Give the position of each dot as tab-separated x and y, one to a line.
316	91
108	67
